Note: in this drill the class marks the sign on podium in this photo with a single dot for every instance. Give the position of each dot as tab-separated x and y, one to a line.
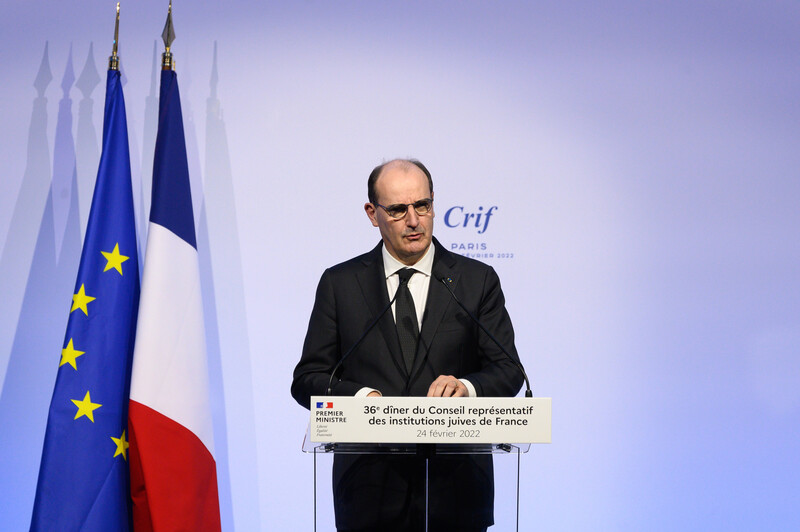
459	420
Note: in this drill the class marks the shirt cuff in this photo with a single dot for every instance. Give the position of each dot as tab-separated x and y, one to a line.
470	388
363	392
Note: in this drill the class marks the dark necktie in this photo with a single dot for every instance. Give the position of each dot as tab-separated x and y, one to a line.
406	318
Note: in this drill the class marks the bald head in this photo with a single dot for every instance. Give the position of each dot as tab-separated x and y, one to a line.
405	165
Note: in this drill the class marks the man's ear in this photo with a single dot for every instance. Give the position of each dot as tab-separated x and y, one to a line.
369	208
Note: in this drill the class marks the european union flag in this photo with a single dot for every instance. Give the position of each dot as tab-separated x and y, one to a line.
83	478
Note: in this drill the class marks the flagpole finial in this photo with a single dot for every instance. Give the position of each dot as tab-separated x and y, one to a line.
113	61
168	35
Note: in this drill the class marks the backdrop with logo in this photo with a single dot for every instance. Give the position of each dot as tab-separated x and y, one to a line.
630	169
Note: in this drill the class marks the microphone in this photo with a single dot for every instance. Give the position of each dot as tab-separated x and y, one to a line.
360	339
446	282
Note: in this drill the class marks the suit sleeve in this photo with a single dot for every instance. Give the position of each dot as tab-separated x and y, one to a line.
321	349
497	376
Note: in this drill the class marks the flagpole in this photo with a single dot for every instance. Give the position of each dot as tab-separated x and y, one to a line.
113	61
168	35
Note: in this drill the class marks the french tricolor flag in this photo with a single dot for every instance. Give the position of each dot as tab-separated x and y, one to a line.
172	467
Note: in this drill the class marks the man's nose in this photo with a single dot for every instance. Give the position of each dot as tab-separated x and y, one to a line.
412	218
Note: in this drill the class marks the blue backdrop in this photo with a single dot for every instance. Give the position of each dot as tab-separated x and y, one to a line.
640	163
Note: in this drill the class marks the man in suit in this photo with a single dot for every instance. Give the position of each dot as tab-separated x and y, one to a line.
426	346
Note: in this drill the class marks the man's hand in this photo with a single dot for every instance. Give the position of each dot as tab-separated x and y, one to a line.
374	393
447	386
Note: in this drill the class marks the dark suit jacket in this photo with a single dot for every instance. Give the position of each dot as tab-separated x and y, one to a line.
349	297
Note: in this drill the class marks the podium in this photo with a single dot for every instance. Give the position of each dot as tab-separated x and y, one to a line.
426	427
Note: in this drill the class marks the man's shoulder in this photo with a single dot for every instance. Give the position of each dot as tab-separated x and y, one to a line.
357	263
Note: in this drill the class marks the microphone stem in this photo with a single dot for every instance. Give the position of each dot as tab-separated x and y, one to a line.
358	342
528	392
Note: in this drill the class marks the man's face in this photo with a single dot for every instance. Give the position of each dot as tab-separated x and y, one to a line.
408	238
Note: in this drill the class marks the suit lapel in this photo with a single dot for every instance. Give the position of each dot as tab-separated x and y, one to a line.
438	301
372	280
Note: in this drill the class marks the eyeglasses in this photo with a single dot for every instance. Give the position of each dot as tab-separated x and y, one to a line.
398	211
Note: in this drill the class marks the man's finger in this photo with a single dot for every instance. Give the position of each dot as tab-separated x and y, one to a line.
446	386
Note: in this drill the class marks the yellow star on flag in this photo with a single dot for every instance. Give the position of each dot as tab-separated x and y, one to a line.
80	300
69	354
86	407
122	446
114	259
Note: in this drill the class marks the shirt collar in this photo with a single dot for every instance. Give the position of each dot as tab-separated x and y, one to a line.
423	265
